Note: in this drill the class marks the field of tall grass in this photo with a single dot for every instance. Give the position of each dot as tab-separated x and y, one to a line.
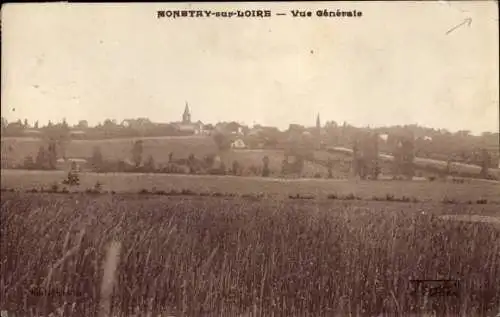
235	256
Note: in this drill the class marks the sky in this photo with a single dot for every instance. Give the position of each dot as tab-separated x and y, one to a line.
397	64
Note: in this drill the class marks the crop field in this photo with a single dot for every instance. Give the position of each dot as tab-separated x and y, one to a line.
207	256
435	191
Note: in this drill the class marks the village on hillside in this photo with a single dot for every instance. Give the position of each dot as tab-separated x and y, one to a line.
335	150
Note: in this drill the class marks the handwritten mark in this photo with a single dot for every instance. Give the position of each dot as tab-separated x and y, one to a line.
467	21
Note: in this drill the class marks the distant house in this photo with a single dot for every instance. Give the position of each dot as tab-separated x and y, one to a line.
233	128
77	134
67	164
238	144
384	137
255	131
217	162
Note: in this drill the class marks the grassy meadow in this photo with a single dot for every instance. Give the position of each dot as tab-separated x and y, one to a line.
436	191
235	256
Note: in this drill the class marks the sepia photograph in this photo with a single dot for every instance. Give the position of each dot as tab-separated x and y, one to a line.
250	159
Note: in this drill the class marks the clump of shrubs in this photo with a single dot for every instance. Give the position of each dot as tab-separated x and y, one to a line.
390	197
299	196
350	196
332	196
54	188
97	189
188	192
447	200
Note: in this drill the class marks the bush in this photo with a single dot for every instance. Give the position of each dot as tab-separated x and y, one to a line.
73	179
98	186
54	188
299	196
351	196
447	200
144	191
188	192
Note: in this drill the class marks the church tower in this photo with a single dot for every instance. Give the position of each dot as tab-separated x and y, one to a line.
186	116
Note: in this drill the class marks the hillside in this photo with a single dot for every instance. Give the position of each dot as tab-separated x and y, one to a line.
254	157
14	150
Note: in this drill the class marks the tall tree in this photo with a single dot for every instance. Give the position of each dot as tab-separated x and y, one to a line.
41	158
52	154
82	124
223	143
265	169
485	163
137	152
403	158
96	160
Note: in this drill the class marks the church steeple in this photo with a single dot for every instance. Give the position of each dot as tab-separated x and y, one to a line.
318	132
186	116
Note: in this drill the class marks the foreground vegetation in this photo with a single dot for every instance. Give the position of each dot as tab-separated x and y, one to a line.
206	256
